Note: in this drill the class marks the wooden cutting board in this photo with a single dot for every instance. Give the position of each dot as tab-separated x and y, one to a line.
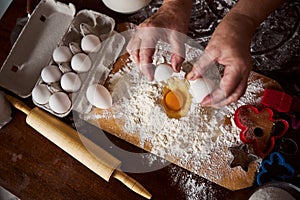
218	167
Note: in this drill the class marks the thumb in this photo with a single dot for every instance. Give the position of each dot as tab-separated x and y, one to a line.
200	67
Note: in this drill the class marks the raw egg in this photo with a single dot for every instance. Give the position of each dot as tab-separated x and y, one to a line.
81	63
176	98
99	96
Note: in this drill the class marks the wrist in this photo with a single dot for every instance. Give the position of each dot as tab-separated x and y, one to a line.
256	10
181	7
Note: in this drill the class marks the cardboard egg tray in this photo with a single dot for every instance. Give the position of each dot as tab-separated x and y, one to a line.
53	24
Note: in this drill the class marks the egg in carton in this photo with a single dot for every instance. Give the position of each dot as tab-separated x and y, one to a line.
59	54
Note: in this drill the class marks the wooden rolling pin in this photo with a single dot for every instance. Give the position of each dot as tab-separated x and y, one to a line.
75	144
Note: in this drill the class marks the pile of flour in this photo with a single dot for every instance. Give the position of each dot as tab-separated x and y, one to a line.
190	139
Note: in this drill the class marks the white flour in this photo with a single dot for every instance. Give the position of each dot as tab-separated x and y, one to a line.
190	139
191	186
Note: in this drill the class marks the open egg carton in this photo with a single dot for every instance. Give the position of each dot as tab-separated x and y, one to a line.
59	54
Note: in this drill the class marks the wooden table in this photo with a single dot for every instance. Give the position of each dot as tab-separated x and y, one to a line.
31	167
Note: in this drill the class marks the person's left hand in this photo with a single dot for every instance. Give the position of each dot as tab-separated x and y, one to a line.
229	46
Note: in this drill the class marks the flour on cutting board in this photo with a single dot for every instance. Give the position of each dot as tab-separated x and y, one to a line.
192	138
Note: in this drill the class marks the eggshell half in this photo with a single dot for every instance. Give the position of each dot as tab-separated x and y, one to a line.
200	88
163	72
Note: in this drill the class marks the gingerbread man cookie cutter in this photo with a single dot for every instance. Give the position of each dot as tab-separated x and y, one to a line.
275	168
259	128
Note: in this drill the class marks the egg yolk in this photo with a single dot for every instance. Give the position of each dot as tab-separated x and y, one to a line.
174	100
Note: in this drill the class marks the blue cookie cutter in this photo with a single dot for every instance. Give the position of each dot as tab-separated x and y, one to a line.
283	175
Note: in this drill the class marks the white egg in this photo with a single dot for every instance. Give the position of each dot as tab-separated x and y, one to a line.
200	88
99	96
163	72
81	62
62	54
41	94
70	82
90	43
60	102
51	74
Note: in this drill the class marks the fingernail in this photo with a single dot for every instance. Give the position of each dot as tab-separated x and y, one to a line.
190	75
175	65
206	102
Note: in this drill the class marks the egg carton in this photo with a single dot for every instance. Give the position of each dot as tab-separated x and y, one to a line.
51	61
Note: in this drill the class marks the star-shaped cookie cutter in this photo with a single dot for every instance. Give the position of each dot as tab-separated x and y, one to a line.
259	128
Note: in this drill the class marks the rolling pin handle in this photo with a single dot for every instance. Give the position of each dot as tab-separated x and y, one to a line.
132	184
18	104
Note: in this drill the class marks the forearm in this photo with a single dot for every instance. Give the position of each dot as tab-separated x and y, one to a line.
173	14
243	19
256	10
181	8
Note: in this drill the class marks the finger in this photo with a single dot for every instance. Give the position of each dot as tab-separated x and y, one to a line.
232	85
148	70
235	95
146	65
147	49
133	48
177	41
176	62
200	66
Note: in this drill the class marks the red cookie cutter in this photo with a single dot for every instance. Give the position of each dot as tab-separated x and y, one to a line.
280	101
259	128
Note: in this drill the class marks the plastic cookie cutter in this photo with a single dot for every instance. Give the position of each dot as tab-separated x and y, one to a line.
280	101
275	169
259	128
284	103
295	120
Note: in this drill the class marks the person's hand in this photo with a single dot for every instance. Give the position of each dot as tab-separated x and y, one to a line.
169	24
229	46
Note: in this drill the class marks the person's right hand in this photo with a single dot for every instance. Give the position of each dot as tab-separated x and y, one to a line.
169	24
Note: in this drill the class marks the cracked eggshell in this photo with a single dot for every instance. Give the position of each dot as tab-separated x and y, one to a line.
200	88
70	82
41	94
60	102
81	63
163	72
99	96
90	43
51	74
62	54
